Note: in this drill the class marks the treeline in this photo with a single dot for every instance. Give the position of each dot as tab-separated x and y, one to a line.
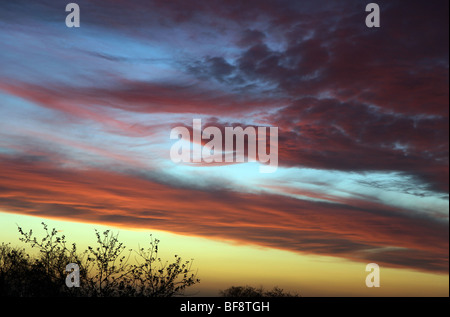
104	269
250	291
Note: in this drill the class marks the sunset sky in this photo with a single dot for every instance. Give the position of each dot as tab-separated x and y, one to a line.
362	117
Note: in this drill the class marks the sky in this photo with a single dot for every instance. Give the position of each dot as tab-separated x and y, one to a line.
362	117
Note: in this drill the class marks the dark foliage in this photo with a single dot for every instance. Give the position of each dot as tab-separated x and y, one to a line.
104	269
249	291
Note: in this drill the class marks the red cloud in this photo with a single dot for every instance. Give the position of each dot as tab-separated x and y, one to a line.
346	228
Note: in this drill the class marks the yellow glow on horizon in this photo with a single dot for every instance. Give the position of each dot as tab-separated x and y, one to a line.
222	264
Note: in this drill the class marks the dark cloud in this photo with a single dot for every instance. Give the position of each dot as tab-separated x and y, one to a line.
398	258
212	68
354	136
251	38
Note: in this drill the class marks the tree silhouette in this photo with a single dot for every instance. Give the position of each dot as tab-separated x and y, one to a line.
250	291
105	269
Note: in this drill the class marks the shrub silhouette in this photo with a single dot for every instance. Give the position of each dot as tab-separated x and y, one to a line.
104	269
250	291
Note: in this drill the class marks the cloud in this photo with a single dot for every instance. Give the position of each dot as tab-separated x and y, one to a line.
347	228
352	136
344	97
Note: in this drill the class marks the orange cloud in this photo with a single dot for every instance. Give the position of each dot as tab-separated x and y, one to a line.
353	229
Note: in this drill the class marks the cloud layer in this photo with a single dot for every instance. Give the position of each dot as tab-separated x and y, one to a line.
86	116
